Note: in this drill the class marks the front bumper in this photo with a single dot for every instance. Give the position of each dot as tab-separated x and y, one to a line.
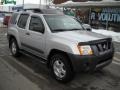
91	62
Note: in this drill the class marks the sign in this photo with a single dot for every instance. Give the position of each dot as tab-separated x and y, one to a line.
8	2
106	14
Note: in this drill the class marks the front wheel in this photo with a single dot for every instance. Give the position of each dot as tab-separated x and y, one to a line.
61	68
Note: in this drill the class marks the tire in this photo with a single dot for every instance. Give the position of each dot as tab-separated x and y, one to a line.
61	69
14	48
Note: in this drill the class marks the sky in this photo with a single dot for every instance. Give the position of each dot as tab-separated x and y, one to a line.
29	1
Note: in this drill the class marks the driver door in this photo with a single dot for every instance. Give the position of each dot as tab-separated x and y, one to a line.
36	36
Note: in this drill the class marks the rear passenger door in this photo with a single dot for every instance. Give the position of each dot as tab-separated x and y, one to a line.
21	26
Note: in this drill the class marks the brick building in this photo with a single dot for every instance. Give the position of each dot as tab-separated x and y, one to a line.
62	1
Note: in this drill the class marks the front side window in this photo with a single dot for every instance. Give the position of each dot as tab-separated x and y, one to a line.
36	24
62	23
23	20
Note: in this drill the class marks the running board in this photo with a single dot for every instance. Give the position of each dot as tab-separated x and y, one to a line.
39	59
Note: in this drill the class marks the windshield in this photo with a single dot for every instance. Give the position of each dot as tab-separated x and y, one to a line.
62	23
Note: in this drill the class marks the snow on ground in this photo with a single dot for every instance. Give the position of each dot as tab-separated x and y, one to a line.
115	35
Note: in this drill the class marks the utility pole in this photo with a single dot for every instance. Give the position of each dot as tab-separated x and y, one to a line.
46	2
39	3
49	2
23	4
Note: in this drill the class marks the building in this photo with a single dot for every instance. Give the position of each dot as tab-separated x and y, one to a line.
100	14
62	1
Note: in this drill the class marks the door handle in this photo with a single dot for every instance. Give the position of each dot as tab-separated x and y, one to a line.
27	33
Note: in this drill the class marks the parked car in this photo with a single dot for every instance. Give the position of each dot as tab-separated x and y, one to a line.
6	20
85	26
60	41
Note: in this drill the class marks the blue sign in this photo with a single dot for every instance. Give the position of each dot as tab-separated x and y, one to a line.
106	14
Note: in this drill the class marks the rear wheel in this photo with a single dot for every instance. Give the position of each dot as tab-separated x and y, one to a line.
61	68
14	47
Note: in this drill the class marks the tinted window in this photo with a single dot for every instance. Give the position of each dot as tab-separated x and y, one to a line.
23	20
13	18
36	24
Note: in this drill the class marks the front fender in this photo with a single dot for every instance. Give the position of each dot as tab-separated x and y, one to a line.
62	45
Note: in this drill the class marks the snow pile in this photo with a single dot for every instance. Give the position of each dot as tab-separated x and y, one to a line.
115	35
108	0
68	2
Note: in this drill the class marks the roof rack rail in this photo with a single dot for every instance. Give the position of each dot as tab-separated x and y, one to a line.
35	10
44	11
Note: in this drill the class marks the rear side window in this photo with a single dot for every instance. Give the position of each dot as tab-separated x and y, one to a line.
22	20
13	18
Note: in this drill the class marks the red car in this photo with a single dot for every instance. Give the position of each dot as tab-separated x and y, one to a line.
6	20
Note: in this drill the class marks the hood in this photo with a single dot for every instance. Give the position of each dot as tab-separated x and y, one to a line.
79	36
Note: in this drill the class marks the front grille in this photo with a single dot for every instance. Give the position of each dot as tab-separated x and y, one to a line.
103	46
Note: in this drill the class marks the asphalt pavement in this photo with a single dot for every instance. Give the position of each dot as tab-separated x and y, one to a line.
25	73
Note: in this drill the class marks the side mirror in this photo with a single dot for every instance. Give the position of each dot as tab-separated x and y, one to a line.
87	27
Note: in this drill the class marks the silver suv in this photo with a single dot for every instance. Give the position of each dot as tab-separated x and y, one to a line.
60	41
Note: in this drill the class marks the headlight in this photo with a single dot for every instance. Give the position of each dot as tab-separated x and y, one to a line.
85	50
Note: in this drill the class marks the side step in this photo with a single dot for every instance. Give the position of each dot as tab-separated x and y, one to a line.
39	59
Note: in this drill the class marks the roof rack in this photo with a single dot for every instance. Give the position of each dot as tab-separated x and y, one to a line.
44	11
35	10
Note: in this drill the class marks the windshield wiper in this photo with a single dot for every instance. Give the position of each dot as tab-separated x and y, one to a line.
76	29
58	30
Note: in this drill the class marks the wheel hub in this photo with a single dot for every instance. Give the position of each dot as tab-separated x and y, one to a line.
59	69
13	48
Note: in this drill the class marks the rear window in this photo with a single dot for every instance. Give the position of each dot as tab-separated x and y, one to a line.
22	20
13	18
